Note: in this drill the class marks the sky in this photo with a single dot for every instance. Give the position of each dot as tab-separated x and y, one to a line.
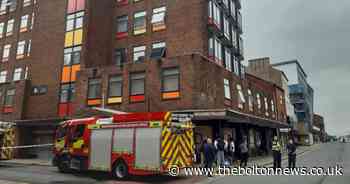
317	34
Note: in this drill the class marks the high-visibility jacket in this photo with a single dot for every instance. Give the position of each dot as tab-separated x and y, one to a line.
276	146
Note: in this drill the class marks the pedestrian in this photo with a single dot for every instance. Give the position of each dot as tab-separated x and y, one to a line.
276	151
243	147
231	150
292	148
220	147
209	154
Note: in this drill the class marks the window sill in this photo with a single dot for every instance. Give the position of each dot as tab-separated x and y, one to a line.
114	100
122	35
94	102
171	95
139	32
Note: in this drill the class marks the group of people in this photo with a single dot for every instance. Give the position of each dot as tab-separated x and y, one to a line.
223	152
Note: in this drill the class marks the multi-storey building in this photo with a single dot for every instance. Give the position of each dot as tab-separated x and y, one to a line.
302	97
319	129
136	55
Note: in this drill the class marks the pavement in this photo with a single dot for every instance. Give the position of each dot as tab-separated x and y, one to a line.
325	155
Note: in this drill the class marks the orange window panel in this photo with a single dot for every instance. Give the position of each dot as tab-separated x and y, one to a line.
171	95
137	98
75	69
66	74
94	102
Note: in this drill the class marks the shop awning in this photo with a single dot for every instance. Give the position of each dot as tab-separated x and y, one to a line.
233	116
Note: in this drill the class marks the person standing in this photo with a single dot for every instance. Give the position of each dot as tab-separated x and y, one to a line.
276	151
231	150
292	148
220	147
209	154
244	152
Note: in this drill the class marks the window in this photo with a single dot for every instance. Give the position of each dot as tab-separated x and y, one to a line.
12	4
227	89
3	7
170	83
214	14
120	56
26	73
24	23
10	97
6	52
139	54
226	3
17	74
158	50
122	26
26	3
72	56
140	23
94	89
75	6
29	49
226	28
115	89
2	28
20	49
3	76
228	62
234	37
250	100
67	93
258	100
9	29
73	38
233	8
39	90
137	87
215	50
32	21
74	21
241	98
273	107
266	107
236	66
158	19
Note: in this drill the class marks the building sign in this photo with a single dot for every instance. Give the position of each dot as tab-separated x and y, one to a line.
182	117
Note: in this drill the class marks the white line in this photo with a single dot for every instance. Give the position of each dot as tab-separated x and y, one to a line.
27	146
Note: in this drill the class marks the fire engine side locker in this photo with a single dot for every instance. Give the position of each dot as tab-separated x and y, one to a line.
100	149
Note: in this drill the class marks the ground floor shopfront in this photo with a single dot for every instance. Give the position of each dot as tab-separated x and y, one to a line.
258	131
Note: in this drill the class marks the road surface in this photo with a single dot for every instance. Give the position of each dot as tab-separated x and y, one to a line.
325	155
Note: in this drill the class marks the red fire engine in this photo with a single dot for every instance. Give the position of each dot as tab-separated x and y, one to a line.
135	144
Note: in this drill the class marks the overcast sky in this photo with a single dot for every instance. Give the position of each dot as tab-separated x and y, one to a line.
315	32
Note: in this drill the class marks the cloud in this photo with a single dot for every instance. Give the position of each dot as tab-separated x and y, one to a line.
316	32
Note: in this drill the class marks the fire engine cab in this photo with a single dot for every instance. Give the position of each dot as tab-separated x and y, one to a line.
125	144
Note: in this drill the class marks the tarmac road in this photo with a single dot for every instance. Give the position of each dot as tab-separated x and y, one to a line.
326	155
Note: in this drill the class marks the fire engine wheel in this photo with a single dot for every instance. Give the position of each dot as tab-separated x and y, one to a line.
120	170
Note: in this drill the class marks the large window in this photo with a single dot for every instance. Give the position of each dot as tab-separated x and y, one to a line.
74	21
215	50
2	29
158	50
10	97
72	55
171	83
158	19
233	8
26	3
266	107
234	37
120	56
273	108
17	74
258	101
6	52
122	26
140	23
250	100
24	23
3	76
115	89
9	29
241	98
75	5
228	62
226	28
139	54
94	89
67	93
236	66
215	14
137	87
227	89
20	49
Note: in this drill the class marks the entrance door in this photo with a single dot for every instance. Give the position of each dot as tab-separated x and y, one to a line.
101	149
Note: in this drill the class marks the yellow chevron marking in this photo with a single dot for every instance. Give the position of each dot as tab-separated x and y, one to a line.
165	140
175	155
171	152
188	144
184	147
167	146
